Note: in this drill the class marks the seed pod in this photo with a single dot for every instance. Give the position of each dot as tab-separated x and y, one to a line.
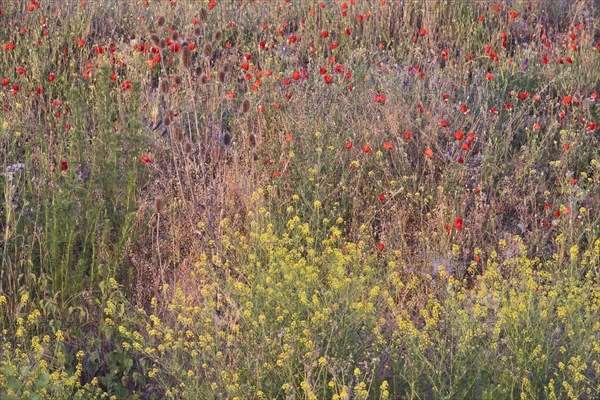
168	118
197	31
162	43
175	36
161	21
177	79
207	50
227	139
246	106
252	140
187	148
203	14
178	134
164	86
221	76
217	36
203	79
254	156
186	58
157	205
226	68
155	40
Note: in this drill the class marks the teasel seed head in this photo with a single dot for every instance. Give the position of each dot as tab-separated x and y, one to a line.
186	57
158	205
227	139
221	76
246	106
178	134
155	40
203	14
164	85
207	50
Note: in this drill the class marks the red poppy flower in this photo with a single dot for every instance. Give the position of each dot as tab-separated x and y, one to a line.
5	81
276	174
324	34
422	32
20	71
382	197
444	123
429	152
328	79
470	137
380	246
466	146
52	77
489	76
459	135
592	126
557	214
349	145
146	160
14	89
64	165
567	100
380	98
458	223
407	135
388	146
366	148
523	95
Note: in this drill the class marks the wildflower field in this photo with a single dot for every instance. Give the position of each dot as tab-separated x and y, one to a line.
293	199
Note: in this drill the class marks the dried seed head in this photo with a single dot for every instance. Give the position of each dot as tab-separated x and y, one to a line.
204	79
226	68
217	36
178	134
252	140
158	205
155	40
221	76
177	79
203	14
227	139
168	118
162	43
197	31
161	21
207	50
163	87
254	156
187	148
175	36
186	58
246	106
